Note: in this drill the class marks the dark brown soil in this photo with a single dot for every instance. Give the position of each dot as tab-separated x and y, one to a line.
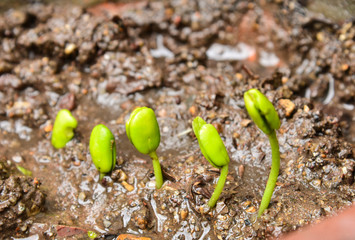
20	198
183	59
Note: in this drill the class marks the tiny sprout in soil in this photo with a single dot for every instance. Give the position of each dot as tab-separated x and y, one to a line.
264	115
212	147
63	128
103	149
24	171
143	132
92	235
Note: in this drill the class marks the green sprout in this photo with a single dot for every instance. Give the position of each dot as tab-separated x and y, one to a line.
264	115
143	132
214	151
103	149
24	171
92	234
63	128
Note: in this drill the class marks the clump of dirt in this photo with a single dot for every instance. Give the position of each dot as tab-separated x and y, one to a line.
20	198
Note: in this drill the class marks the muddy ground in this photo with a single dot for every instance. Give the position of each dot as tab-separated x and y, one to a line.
183	59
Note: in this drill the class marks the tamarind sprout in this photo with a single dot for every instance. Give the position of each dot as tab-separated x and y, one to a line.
63	128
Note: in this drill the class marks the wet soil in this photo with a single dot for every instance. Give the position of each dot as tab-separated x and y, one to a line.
183	59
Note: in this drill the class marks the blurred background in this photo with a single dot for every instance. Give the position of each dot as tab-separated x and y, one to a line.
337	10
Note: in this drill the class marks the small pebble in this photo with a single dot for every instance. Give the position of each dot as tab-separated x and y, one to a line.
239	76
193	110
82	196
320	36
236	135
344	67
77	163
251	209
316	183
200	170
306	108
151	184
241	171
119	175
183	214
221	206
245	122
23	228
107	223
127	186
67	101
162	113
246	203
120	160
211	115
284	80
142	223
190	159
288	106
204	209
69	48
48	128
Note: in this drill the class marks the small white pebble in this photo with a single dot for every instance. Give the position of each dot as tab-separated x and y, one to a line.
69	48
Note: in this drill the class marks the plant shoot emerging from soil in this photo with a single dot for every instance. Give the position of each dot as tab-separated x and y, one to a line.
24	171
263	113
143	132
92	235
213	149
103	149
63	128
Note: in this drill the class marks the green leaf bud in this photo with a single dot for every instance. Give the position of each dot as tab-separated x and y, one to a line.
103	149
261	111
63	128
211	144
143	130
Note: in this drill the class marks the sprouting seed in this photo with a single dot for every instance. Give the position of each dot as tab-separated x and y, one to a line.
143	132
263	113
103	149
92	234
63	128
213	149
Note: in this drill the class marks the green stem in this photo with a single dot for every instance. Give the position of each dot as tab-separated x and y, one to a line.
219	187
157	170
274	172
102	175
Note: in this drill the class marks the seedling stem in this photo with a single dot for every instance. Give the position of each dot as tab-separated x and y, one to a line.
274	172
219	187
157	170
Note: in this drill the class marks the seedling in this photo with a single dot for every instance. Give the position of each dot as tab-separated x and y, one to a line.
92	234
103	149
24	171
264	115
215	152
63	129
143	132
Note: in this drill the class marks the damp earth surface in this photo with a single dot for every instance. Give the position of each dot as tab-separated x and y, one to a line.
183	59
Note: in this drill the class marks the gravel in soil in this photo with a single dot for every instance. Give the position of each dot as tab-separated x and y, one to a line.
183	59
